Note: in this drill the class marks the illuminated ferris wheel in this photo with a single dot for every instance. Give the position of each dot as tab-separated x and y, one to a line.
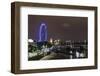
42	32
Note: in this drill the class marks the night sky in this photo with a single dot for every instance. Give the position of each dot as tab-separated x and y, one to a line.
59	27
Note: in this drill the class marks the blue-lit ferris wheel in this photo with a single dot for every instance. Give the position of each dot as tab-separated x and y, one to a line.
42	32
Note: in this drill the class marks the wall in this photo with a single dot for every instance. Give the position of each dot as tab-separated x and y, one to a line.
5	35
